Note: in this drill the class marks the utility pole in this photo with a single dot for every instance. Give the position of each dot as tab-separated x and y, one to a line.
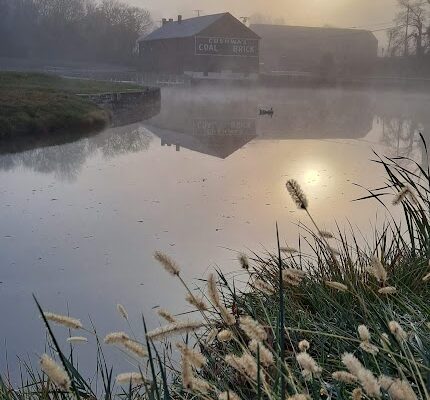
406	33
198	12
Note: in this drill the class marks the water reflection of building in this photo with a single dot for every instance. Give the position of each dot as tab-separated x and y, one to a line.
220	125
319	115
205	120
216	137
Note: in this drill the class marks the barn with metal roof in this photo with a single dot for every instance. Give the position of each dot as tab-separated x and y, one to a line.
207	46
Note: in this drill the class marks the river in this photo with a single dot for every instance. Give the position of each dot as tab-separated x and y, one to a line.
202	180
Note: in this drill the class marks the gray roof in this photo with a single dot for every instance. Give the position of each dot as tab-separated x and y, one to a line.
186	28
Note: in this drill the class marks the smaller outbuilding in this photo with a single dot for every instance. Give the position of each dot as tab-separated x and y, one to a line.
214	46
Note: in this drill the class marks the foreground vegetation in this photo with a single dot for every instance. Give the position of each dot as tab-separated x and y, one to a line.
330	320
40	104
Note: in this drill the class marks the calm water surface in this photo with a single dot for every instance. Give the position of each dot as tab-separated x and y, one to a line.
202	180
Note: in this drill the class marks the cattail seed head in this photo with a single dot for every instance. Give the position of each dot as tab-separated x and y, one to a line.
64	320
127	378
264	287
363	333
364	376
225	335
244	262
174	329
357	394
169	265
398	389
198	303
252	329
336	285
304	346
122	311
387	290
195	358
211	336
245	364
228	317
288	250
310	368
135	348
200	385
344	376
116	338
187	373
399	197
166	315
397	331
384	340
228	396
369	347
293	276
405	192
377	270
55	372
299	396
213	290
326	235
266	356
77	339
297	194
122	339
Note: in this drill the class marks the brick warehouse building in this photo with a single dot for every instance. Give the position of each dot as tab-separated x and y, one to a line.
298	48
210	45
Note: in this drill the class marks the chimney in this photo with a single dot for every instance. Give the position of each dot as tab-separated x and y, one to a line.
179	19
163	21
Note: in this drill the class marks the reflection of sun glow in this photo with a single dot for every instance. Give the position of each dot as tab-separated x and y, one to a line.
312	177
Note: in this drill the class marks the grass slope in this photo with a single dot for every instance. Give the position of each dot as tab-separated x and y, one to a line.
40	104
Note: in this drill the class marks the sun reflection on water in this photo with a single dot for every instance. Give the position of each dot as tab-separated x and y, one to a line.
312	177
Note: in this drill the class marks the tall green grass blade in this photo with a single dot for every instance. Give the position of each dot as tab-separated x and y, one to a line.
151	360
281	319
63	359
163	375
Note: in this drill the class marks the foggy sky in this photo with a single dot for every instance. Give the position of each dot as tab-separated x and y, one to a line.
371	14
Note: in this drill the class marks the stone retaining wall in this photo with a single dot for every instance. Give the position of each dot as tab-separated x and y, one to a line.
129	107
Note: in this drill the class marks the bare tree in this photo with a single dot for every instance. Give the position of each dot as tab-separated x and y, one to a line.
410	34
92	30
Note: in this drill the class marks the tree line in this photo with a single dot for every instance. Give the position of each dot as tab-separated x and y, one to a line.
411	32
78	30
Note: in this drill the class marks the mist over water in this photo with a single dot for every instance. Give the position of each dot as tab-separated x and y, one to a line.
202	180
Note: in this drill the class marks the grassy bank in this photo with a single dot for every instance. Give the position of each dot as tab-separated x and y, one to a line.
41	104
328	320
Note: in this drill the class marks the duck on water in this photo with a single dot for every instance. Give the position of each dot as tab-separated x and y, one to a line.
267	112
